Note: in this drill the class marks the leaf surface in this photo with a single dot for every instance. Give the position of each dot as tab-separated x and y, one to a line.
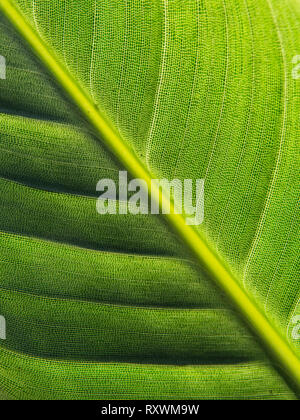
115	307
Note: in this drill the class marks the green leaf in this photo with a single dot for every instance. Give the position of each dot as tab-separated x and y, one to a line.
120	306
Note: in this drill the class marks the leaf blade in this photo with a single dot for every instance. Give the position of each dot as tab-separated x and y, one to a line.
272	339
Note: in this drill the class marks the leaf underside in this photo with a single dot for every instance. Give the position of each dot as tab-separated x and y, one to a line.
115	306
